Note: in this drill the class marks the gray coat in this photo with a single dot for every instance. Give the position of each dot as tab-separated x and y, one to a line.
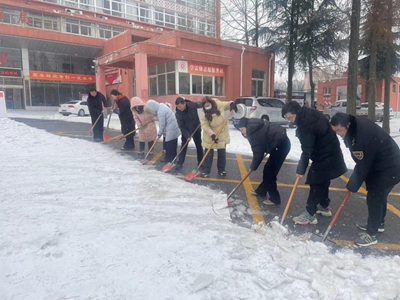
166	119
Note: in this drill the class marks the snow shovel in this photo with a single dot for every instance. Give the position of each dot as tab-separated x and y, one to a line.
323	239
106	136
169	166
97	120
192	175
145	160
290	199
236	187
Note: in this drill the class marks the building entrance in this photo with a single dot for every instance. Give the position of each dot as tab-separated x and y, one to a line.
14	99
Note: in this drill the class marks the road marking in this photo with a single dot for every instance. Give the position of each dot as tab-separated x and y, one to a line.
253	202
155	158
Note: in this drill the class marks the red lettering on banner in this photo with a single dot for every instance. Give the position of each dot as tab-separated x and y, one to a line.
23	18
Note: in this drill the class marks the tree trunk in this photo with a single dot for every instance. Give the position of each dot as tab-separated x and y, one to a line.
353	57
312	84
388	81
371	87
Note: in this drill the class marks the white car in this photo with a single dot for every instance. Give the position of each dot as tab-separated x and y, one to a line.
76	107
380	105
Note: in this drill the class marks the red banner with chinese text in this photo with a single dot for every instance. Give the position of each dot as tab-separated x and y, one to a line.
205	69
66	77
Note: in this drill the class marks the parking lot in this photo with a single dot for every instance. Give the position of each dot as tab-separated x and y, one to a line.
249	209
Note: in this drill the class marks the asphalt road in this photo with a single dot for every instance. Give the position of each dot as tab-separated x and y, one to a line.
248	209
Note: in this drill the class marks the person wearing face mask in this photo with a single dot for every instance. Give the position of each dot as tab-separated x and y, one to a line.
265	137
212	118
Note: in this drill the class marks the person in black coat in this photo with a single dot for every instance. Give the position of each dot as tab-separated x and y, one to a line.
320	145
264	138
377	158
188	120
125	117
96	103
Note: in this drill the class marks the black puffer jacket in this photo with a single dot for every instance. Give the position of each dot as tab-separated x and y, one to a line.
188	120
263	138
376	154
95	103
125	115
320	144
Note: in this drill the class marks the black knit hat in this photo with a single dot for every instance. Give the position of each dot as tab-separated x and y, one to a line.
114	92
242	122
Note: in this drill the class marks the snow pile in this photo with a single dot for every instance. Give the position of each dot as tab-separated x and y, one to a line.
80	221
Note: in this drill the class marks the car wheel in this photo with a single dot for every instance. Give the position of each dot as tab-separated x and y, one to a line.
81	113
265	118
328	117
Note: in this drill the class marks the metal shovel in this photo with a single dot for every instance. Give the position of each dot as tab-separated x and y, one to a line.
323	239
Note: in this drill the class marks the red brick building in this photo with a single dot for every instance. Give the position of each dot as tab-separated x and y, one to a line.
336	89
51	50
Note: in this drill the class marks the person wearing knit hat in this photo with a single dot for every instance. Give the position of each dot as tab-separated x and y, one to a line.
265	137
125	117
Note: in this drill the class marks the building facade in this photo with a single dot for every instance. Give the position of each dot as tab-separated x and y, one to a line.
336	89
51	51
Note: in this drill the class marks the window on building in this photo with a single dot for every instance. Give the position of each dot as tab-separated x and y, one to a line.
327	90
162	79
72	26
184	83
197	84
258	83
207	85
219	85
159	16
117	8
393	88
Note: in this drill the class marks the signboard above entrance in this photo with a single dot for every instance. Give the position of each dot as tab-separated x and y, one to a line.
200	68
66	77
6	72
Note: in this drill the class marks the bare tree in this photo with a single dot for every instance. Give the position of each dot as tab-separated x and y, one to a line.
239	18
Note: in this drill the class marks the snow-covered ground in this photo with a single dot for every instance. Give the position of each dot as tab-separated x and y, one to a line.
79	221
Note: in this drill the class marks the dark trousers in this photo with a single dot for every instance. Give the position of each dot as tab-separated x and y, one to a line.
143	144
129	143
271	170
197	141
221	161
377	204
319	194
170	149
98	129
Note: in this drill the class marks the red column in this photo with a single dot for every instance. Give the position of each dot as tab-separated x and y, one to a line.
142	77
101	79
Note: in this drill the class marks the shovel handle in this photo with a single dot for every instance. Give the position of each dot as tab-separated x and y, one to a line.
187	142
290	199
98	118
151	149
336	215
340	208
239	184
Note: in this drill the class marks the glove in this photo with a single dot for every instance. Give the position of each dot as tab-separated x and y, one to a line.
159	136
233	106
213	137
